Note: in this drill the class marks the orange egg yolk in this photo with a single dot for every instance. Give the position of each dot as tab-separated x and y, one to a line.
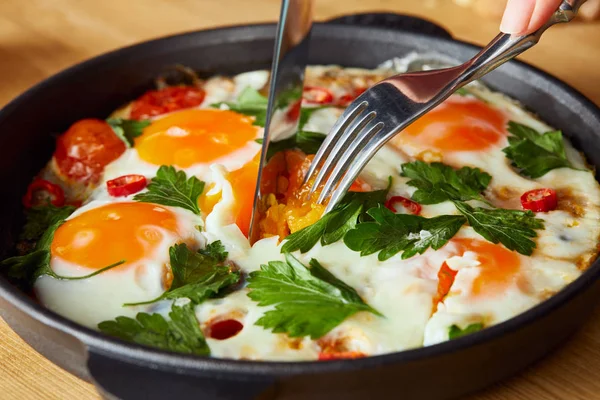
456	125
190	137
120	231
499	266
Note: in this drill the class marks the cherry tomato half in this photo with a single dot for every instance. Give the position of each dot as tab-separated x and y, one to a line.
40	192
539	200
317	95
126	185
411	206
225	329
171	98
85	148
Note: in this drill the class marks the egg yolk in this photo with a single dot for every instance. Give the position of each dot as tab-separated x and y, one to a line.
498	265
190	137
456	125
120	231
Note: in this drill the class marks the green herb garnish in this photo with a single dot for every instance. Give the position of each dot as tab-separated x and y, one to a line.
392	233
127	129
455	331
250	102
181	333
309	301
535	154
197	275
172	188
38	219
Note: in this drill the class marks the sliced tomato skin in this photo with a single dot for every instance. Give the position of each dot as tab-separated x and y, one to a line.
86	148
412	206
126	185
342	355
53	192
317	95
446	276
539	200
225	329
169	99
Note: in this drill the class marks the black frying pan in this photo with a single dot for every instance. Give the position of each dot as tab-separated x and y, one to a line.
125	370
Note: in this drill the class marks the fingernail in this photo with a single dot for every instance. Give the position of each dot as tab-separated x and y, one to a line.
517	16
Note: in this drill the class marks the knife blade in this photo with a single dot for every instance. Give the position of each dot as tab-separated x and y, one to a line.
290	57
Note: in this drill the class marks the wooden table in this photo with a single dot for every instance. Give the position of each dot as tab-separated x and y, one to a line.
41	37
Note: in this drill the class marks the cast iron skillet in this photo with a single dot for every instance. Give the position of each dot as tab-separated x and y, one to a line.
125	370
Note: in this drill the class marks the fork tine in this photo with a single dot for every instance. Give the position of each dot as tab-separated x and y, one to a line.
348	158
363	156
338	129
340	147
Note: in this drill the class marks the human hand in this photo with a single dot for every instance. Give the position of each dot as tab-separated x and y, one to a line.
522	17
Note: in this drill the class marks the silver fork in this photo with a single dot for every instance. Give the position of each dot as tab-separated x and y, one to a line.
388	107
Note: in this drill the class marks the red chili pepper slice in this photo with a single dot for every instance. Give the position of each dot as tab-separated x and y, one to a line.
40	191
539	200
225	329
412	207
171	98
345	100
126	185
294	111
317	95
342	355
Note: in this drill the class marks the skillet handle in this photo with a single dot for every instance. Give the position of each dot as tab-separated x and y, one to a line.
393	21
115	379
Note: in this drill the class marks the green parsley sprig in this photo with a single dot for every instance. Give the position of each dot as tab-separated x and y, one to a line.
172	188
249	102
181	333
197	275
38	219
535	154
308	301
127	129
455	331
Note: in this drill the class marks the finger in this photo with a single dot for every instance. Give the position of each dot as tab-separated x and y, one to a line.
517	16
543	11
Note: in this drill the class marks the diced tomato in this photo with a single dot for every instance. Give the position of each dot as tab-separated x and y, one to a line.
317	95
446	277
126	185
86	148
345	100
225	329
412	207
169	99
343	355
40	192
539	200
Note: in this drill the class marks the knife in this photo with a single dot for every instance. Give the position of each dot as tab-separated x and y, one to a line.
287	76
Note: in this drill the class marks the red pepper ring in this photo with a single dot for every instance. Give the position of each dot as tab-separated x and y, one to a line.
126	185
345	100
35	194
539	200
412	206
317	95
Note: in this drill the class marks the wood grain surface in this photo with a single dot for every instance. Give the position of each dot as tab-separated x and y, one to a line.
41	37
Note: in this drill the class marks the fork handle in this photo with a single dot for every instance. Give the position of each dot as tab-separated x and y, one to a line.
505	47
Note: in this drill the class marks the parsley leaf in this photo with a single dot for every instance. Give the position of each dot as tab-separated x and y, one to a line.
535	154
455	331
27	268
308	142
392	233
309	301
127	129
172	188
437	182
249	102
336	223
181	333
197	276
39	219
513	228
